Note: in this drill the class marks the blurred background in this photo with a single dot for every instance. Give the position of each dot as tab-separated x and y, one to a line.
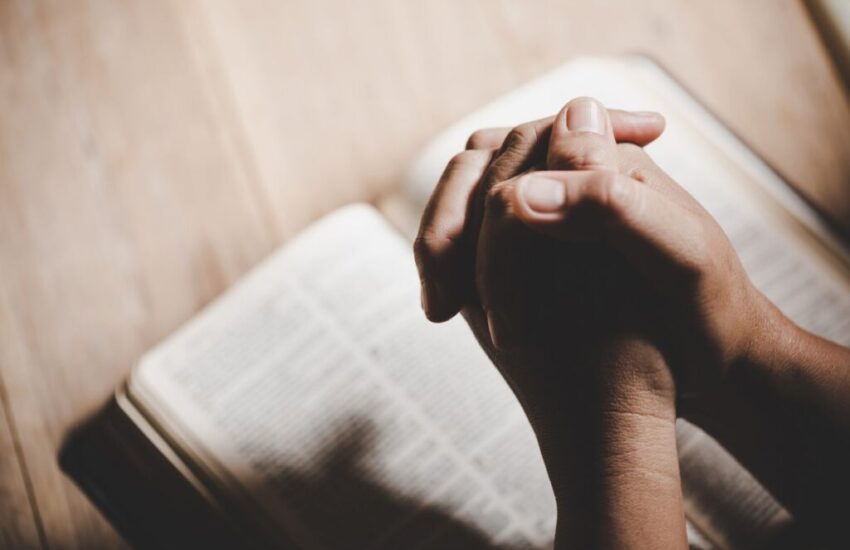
152	151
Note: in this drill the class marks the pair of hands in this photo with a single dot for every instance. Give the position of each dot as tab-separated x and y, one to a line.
608	298
568	251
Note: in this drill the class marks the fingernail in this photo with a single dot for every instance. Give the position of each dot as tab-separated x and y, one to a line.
586	115
423	297
491	326
542	195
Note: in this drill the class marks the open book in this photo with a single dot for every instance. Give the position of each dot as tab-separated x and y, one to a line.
313	406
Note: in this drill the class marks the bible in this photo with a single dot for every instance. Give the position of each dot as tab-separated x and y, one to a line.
313	406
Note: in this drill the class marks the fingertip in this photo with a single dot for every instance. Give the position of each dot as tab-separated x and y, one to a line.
638	127
652	123
438	303
660	120
440	311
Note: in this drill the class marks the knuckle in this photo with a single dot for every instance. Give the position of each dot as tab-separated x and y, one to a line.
521	135
498	198
608	187
579	152
589	157
518	149
612	193
477	139
459	160
429	247
476	159
421	250
619	193
601	190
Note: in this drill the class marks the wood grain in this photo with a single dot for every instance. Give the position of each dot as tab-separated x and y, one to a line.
123	210
152	151
20	527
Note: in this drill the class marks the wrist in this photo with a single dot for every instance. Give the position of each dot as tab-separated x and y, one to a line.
776	358
625	479
610	448
795	366
749	350
771	342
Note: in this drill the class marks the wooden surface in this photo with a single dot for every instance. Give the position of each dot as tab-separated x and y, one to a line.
153	151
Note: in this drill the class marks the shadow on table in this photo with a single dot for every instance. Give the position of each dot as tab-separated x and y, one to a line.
350	508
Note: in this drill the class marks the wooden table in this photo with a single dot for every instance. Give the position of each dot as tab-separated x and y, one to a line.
153	151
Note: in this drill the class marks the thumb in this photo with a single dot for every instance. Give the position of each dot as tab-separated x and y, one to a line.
663	240
582	137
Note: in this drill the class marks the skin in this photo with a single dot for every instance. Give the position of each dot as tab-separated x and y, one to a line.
611	301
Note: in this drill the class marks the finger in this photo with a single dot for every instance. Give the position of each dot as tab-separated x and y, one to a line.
439	248
487	138
500	255
526	145
582	137
638	127
523	147
662	239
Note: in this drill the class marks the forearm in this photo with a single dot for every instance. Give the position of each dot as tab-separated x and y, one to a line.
784	412
611	455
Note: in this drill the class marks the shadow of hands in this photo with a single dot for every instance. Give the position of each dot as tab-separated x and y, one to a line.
345	504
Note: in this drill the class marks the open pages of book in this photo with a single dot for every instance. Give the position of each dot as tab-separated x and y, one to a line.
316	391
787	250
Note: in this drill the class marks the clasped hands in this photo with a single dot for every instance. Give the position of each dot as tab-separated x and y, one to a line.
561	242
607	297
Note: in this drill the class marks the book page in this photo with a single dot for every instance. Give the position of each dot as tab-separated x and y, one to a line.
785	248
317	390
